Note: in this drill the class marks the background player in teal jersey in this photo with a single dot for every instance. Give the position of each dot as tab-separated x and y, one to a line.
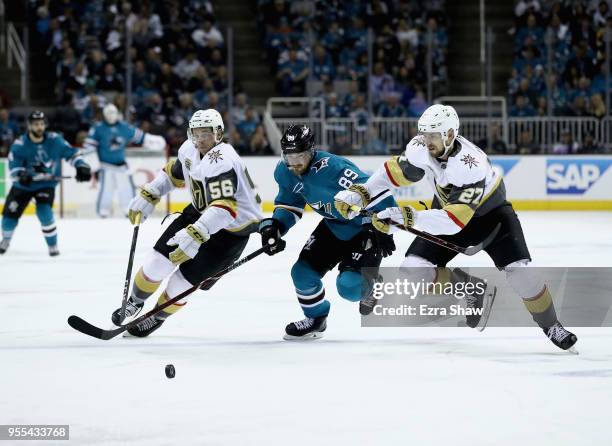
35	164
109	138
309	176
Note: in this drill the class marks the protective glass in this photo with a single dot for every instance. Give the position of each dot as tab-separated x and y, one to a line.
202	135
297	159
432	137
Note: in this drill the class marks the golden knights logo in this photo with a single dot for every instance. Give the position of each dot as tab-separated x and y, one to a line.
469	160
214	156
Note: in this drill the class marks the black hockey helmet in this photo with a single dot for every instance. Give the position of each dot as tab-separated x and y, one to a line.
36	115
297	138
297	147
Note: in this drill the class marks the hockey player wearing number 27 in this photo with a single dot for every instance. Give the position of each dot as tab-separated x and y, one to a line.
469	201
211	232
309	176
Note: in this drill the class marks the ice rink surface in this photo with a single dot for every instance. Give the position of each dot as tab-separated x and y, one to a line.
238	383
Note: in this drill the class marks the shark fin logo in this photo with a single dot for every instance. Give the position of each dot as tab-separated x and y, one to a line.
321	164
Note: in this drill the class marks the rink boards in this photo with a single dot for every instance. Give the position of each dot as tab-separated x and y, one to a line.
532	183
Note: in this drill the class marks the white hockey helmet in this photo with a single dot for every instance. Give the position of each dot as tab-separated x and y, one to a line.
440	118
207	118
110	113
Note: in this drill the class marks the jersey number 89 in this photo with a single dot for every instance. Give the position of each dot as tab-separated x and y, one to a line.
347	180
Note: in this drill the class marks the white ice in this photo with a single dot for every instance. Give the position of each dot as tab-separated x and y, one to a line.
237	382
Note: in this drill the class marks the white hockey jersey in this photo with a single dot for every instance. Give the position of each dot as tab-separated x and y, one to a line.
464	185
220	187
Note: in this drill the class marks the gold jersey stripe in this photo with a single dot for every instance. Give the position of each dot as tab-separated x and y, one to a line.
395	173
177	182
228	204
493	189
462	213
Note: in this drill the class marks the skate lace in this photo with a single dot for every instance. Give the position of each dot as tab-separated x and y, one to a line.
557	332
304	323
147	323
470	301
131	309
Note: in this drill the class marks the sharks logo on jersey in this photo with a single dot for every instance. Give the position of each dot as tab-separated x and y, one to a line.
320	164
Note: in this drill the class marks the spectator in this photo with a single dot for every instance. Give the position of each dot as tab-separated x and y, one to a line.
374	145
522	107
208	35
188	67
525	145
391	108
292	75
259	143
597	107
340	144
566	145
589	146
495	145
110	80
9	130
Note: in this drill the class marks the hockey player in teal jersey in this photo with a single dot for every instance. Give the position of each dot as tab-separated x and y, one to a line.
309	176
109	139
34	164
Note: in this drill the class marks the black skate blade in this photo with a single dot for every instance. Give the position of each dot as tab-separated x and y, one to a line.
573	350
91	330
484	319
305	338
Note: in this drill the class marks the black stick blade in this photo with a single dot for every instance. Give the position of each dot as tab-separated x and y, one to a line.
86	328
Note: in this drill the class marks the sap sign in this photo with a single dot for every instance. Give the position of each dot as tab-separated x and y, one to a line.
574	176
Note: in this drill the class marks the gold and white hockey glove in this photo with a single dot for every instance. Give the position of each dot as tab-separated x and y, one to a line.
357	195
401	215
188	241
143	203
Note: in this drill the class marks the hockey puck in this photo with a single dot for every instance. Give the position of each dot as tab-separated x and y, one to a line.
170	372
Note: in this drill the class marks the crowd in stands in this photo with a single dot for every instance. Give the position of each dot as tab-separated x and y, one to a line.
177	54
326	42
318	48
575	31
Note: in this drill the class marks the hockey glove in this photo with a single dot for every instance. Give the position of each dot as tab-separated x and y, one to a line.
83	173
270	230
143	203
356	195
401	215
25	178
383	243
188	241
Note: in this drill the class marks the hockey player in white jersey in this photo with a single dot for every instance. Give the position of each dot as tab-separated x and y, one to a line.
469	202
211	232
109	139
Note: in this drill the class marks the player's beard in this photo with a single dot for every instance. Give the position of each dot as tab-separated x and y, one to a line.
37	134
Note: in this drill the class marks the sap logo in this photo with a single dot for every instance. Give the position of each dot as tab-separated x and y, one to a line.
574	176
505	165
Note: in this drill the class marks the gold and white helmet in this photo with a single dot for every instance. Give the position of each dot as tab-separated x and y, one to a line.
440	118
207	118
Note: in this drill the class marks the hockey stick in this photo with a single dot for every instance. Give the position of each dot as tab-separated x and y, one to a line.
86	328
128	274
469	251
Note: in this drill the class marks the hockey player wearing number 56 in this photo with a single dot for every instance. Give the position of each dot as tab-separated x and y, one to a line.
469	202
35	166
309	176
109	139
210	233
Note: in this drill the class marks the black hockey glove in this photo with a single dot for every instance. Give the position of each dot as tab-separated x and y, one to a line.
382	242
25	178
83	173
270	230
